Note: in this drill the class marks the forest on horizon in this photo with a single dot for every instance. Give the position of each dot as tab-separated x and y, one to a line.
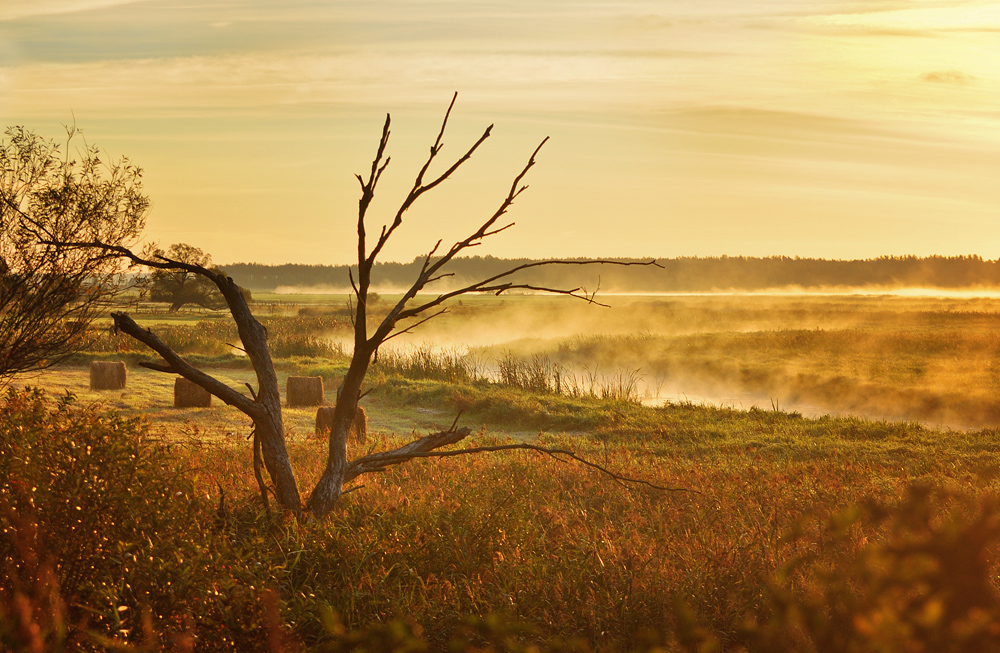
683	274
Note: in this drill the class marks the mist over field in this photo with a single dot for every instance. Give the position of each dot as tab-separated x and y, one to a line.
808	335
927	357
670	275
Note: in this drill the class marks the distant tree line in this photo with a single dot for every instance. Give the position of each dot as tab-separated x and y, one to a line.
686	274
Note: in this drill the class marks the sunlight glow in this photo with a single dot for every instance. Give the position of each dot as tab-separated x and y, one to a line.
827	128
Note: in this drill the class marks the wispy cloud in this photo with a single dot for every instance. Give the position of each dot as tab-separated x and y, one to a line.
17	9
556	80
948	77
915	21
750	121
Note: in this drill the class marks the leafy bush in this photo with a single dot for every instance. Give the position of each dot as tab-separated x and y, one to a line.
913	576
100	525
86	478
926	585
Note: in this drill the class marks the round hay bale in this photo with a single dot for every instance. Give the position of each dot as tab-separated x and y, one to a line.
360	425
107	375
304	391
188	394
324	423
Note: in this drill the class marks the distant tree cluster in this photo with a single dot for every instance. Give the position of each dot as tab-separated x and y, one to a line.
181	287
687	274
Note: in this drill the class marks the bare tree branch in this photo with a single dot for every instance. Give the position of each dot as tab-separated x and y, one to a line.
368	188
443	275
350	276
419	188
485	284
180	366
413	326
487	234
429	269
427	446
257	464
159	367
158	261
377	462
555	453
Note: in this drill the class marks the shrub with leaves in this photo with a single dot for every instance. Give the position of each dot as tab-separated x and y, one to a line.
915	576
97	525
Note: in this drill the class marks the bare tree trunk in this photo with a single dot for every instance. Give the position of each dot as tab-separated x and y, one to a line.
265	406
268	422
327	492
277	463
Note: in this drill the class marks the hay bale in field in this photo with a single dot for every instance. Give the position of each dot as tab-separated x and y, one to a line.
304	391
359	428
324	423
188	394
107	375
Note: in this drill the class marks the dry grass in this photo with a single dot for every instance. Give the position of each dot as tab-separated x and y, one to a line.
773	520
551	544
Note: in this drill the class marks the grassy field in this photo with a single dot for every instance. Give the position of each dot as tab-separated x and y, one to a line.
785	532
926	359
922	358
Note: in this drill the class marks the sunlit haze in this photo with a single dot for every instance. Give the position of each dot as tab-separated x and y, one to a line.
817	128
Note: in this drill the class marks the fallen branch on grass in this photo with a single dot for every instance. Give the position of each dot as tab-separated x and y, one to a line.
426	447
555	453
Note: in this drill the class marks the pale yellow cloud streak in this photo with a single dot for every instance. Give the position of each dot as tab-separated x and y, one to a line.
814	128
15	9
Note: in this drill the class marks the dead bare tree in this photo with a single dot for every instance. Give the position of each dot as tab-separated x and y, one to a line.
263	406
410	311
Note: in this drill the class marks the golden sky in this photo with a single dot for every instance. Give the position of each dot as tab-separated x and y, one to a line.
826	128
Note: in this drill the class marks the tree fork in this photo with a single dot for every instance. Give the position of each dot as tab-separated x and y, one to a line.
264	409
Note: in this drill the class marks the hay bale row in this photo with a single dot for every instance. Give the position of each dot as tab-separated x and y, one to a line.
324	423
188	394
106	375
304	391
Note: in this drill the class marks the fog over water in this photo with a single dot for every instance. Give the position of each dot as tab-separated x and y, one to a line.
921	355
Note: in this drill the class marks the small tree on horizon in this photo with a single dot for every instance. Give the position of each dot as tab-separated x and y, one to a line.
179	287
263	405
